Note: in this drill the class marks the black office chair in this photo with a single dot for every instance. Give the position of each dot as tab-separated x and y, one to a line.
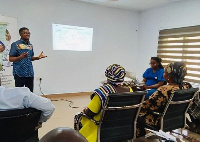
194	109
119	117
19	125
174	114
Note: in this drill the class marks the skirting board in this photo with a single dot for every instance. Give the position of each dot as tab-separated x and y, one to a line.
66	95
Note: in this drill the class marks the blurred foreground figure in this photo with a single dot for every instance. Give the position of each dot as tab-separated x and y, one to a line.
63	134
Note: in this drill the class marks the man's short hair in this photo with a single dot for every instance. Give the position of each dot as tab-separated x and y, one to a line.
22	29
63	134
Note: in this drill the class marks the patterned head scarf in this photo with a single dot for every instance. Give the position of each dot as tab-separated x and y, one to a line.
1	43
115	74
177	70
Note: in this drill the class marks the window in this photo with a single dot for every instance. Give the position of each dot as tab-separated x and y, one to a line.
182	44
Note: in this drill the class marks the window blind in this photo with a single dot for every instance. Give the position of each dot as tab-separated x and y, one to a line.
181	44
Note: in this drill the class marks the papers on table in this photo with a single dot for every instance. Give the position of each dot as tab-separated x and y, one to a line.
164	135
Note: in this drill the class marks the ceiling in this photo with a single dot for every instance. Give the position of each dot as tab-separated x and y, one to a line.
135	5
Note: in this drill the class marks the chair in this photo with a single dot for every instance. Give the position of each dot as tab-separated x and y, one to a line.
174	114
19	125
194	109
119	116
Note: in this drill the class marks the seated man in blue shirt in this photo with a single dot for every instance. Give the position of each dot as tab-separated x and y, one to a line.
21	97
15	98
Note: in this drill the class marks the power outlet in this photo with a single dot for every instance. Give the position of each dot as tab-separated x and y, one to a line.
39	78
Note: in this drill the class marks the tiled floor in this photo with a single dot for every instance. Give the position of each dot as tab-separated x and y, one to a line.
64	115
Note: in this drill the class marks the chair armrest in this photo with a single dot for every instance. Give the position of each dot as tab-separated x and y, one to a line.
95	122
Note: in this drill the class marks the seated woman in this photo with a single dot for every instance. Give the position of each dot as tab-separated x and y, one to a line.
115	75
174	75
153	76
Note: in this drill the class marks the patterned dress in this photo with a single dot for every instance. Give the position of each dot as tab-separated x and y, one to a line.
157	102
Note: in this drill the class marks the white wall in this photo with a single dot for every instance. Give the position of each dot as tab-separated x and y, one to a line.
115	41
179	14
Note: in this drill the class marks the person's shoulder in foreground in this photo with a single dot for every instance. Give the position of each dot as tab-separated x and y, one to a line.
21	97
63	134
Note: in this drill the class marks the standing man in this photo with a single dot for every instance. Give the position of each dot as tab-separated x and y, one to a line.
22	55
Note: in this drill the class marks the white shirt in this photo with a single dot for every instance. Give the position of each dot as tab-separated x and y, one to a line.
22	97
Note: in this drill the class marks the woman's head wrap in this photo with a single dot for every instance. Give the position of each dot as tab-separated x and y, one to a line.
115	74
177	71
1	43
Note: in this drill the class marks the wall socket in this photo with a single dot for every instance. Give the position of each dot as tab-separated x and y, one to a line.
39	78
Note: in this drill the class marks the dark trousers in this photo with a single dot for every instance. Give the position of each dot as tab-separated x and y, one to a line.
24	81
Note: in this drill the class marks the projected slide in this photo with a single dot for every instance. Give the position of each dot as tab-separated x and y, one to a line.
73	38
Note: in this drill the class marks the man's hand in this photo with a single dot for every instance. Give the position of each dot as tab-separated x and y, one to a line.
24	55
41	55
38	126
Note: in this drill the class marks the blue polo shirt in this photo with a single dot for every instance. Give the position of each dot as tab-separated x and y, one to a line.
23	67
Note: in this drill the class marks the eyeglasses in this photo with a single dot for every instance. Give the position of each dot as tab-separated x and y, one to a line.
28	33
152	63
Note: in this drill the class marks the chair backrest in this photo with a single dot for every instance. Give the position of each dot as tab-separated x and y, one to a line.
193	110
18	125
119	116
174	113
